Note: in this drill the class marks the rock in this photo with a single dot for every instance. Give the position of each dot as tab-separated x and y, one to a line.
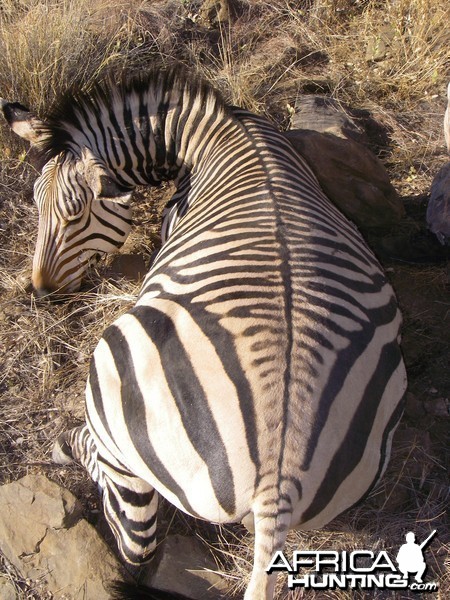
414	407
325	115
7	590
214	13
43	534
438	209
376	49
28	508
414	452
439	407
130	266
352	177
186	568
380	46
413	244
333	139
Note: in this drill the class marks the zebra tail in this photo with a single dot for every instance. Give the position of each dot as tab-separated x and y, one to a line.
121	590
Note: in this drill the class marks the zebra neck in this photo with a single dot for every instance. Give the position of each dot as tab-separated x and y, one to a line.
144	142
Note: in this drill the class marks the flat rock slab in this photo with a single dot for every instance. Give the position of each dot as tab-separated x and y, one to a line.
325	115
43	534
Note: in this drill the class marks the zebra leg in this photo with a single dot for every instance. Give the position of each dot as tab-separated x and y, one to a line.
130	506
270	536
77	445
62	451
129	503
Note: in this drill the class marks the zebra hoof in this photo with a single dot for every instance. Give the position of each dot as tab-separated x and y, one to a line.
61	453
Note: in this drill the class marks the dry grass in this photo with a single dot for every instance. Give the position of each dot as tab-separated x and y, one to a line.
393	58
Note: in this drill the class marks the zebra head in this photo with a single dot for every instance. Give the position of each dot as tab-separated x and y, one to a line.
83	212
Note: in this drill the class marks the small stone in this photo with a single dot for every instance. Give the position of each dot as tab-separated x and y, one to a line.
394	500
7	590
438	209
439	407
24	281
415	446
376	49
381	45
214	13
414	408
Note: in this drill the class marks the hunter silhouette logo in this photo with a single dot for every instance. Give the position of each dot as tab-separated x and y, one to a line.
358	569
410	556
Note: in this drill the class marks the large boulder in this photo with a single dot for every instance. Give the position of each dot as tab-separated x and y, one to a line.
334	140
352	177
45	537
43	534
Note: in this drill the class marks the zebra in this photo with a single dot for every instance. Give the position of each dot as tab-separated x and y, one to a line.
259	377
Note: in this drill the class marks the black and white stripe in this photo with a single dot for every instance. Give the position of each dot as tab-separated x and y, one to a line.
259	375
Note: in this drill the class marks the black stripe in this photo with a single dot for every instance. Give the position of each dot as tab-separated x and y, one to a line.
130	525
133	405
133	498
358	342
191	401
224	346
97	396
352	448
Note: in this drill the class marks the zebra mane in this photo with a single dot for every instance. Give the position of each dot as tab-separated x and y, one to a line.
62	118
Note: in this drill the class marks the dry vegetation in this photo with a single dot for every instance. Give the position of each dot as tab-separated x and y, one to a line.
392	58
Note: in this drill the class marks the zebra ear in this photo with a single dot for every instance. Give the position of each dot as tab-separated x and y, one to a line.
100	179
23	122
108	189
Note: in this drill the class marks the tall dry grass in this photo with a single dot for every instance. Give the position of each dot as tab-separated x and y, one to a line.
47	46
